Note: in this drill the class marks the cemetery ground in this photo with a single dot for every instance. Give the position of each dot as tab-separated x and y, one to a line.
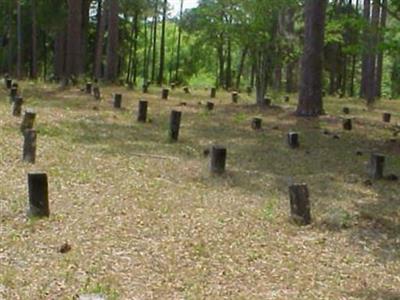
139	217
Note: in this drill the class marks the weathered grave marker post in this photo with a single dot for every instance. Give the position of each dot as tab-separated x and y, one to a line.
235	97
213	92
386	117
218	159
267	101
300	204
29	148
173	85
8	82
117	100
347	124
249	90
142	111
209	105
17	106
293	140
346	110
13	93
28	120
256	123
96	93
164	94
38	195
88	87
145	88
376	165
174	125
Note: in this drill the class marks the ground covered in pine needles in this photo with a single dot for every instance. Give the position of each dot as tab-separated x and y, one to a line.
145	220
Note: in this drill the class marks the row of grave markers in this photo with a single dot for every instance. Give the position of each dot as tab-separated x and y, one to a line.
38	183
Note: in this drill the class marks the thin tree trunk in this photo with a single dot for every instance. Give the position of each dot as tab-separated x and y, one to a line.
162	45
10	37
45	57
19	40
241	66
34	40
278	77
74	38
153	62
221	60
130	63
370	91
60	44
353	63
261	76
135	48
112	42
228	75
291	64
84	34
253	74
379	68
178	51
98	56
365	56
145	52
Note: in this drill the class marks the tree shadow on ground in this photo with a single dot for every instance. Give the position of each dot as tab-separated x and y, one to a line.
259	162
369	294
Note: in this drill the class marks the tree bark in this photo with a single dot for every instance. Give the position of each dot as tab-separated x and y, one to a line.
162	45
113	41
379	67
98	56
178	51
228	74
19	40
365	57
370	79
60	54
153	62
74	38
241	66
34	41
310	98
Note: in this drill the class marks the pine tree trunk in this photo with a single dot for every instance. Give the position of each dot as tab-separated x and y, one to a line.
145	53
84	35
101	25
34	41
178	51
241	66
365	56
112	43
228	74
19	40
74	38
261	76
10	36
135	48
60	54
154	58
162	45
221	63
310	98
130	58
370	91
379	67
